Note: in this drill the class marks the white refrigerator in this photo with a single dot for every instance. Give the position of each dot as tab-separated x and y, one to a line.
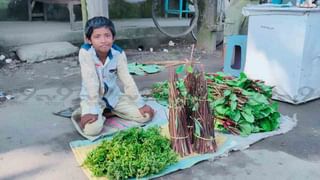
283	49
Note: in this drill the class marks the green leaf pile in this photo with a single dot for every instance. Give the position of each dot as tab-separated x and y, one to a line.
258	112
142	69
133	153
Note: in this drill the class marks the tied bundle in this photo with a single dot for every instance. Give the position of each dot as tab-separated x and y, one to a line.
191	123
180	139
190	83
203	121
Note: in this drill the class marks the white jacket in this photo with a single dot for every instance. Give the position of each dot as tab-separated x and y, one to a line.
99	81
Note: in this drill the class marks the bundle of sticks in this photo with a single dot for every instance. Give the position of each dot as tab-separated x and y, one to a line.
180	139
190	83
203	121
191	123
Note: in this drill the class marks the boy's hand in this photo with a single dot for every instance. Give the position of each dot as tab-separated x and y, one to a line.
88	118
146	109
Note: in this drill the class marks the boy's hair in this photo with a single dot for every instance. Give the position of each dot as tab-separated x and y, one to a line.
98	22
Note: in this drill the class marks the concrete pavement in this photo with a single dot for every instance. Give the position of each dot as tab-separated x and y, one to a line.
34	143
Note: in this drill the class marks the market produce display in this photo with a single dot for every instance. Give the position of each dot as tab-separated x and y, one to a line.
198	104
191	124
133	153
240	105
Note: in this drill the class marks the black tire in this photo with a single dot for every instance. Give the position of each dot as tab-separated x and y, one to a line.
193	21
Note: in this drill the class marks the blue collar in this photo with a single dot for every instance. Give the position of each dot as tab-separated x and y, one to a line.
114	48
110	54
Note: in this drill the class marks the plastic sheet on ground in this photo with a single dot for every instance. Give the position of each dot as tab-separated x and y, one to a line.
226	143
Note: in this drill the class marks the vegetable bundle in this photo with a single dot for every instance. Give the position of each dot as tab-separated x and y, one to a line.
178	127
240	105
191	126
204	138
133	153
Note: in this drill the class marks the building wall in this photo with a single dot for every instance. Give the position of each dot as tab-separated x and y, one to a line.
121	9
11	10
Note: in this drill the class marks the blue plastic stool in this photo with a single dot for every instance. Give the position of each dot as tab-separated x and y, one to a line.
179	11
232	64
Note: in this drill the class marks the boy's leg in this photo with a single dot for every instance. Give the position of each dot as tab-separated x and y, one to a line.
128	109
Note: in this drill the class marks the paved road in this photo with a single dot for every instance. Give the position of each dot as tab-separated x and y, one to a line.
34	143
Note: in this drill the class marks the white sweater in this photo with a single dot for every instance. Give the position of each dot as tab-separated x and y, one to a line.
99	81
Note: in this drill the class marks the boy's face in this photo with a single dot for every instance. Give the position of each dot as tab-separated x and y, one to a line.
102	40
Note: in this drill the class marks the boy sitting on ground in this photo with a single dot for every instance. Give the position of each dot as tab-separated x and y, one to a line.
102	63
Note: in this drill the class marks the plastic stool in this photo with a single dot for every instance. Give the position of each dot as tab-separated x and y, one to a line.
236	46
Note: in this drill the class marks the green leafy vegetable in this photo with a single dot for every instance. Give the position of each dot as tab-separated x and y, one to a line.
133	153
180	69
189	69
142	69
